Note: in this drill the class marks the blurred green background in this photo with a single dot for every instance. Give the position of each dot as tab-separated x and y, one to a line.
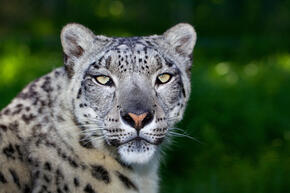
240	103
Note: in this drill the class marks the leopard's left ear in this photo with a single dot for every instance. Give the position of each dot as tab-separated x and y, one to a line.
181	39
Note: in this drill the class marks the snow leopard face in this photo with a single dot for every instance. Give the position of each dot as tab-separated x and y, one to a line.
128	92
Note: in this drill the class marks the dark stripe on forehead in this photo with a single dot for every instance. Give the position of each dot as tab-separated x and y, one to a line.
149	43
132	42
108	61
159	62
169	62
100	60
180	82
95	65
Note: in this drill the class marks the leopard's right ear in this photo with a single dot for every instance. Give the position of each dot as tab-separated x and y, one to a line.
76	39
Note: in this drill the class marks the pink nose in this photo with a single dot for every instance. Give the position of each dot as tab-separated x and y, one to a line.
138	119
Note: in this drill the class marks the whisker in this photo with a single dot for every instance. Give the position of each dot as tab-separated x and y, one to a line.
172	118
175	134
172	129
86	125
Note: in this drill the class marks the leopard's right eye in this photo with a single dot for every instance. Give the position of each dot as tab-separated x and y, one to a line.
104	80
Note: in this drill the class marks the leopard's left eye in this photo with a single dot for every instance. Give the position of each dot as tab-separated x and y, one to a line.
163	78
104	80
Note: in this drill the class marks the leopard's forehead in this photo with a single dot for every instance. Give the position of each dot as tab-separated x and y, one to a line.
132	55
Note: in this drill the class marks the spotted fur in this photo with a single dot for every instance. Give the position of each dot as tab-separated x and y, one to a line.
66	132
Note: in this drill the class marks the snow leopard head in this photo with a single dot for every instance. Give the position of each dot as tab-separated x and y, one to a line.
128	92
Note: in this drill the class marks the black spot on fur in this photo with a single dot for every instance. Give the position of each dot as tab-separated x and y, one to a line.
3	127
114	142
69	69
76	182
46	86
85	143
123	164
26	189
79	93
13	126
59	190
100	173
60	118
9	151
47	166
15	177
126	181
36	174
46	178
2	178
65	187
56	73
6	111
19	151
58	177
28	118
17	111
89	189
73	163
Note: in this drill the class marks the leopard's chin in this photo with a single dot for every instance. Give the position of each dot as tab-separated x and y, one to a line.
137	152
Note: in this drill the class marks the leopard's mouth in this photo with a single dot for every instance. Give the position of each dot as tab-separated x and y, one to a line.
139	140
136	140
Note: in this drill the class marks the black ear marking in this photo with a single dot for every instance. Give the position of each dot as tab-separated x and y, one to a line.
76	50
75	39
179	49
78	40
182	38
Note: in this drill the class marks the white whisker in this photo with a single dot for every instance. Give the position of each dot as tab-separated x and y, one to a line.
175	134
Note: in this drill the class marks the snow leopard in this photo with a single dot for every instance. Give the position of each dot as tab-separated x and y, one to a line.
98	124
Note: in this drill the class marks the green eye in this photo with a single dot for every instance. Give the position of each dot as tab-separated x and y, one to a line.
104	80
164	78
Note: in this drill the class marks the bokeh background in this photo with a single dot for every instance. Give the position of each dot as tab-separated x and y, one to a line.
240	104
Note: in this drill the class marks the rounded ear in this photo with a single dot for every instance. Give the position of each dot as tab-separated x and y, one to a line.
76	39
181	38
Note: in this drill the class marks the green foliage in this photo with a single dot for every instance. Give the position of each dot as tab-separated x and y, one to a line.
239	108
240	113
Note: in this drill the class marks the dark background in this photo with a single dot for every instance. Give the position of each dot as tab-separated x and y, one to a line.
240	103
